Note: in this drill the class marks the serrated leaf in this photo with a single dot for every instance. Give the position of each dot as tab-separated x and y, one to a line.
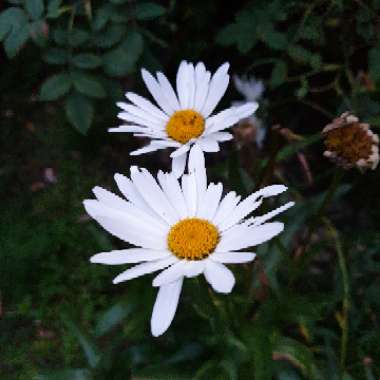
111	318
56	56
88	84
148	11
55	87
16	40
80	113
86	61
35	8
279	74
122	60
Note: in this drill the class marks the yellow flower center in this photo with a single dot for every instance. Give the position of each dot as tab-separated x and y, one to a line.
193	239
349	142
185	125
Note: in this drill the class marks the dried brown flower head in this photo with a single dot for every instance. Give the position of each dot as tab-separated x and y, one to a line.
350	143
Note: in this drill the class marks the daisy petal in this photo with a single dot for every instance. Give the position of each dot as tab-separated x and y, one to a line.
178	165
171	274
128	256
182	83
218	86
219	277
256	221
243	236
168	91
226	206
233	257
208	145
194	268
210	202
155	89
165	307
197	166
144	268
181	150
147	106
202	80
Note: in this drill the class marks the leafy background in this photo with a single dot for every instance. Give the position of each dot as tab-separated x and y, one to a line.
308	308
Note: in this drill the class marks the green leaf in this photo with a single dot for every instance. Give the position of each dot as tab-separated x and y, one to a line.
88	84
86	61
65	374
148	11
35	8
11	19
274	39
297	353
110	37
53	10
279	74
374	62
16	40
55	87
80	113
299	54
89	349
77	37
111	318
122	60
56	56
261	346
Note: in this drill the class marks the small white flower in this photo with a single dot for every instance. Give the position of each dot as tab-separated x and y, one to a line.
252	90
183	229
182	121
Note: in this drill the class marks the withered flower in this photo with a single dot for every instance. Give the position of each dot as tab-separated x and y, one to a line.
350	143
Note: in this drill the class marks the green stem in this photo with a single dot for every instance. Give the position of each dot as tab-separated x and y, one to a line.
346	294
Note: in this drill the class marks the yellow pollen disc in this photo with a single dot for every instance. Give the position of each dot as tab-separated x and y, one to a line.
193	239
185	125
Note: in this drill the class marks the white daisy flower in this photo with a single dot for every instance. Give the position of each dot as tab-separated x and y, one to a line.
184	119
181	228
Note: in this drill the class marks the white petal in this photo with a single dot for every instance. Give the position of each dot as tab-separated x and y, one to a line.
127	116
143	114
233	257
217	88
243	237
128	256
165	307
264	218
189	189
219	277
226	207
197	166
168	91
178	165
182	79
190	86
153	195
153	146
171	274
144	268
180	151
194	268
128	189
174	193
146	105
210	201
202	80
221	136
208	144
110	199
156	91
243	209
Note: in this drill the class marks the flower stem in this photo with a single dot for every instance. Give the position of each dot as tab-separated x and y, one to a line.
346	293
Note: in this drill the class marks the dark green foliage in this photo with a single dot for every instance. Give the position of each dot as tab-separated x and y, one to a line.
307	309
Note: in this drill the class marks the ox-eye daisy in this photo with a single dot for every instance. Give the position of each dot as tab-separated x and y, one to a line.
182	229
183	119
